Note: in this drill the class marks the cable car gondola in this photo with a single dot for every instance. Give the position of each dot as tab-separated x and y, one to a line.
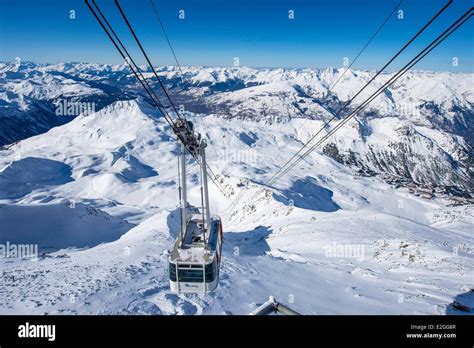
195	260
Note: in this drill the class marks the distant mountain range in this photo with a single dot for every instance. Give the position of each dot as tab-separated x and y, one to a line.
420	130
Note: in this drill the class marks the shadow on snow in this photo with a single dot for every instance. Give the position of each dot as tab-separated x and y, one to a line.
306	194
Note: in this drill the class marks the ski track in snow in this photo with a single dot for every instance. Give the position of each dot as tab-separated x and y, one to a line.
123	179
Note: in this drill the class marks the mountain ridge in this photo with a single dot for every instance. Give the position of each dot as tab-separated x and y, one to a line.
427	114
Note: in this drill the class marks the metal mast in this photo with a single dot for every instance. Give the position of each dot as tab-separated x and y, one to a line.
196	145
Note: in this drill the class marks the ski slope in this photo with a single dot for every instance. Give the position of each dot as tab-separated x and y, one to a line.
323	239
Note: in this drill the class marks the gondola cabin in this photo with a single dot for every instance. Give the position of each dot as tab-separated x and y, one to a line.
195	259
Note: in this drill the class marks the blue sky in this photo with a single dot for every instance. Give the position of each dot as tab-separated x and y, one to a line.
259	32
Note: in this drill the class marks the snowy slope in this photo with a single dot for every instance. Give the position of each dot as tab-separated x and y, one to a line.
401	254
427	116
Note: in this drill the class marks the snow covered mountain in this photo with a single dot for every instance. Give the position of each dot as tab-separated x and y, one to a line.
420	130
435	99
31	97
99	197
